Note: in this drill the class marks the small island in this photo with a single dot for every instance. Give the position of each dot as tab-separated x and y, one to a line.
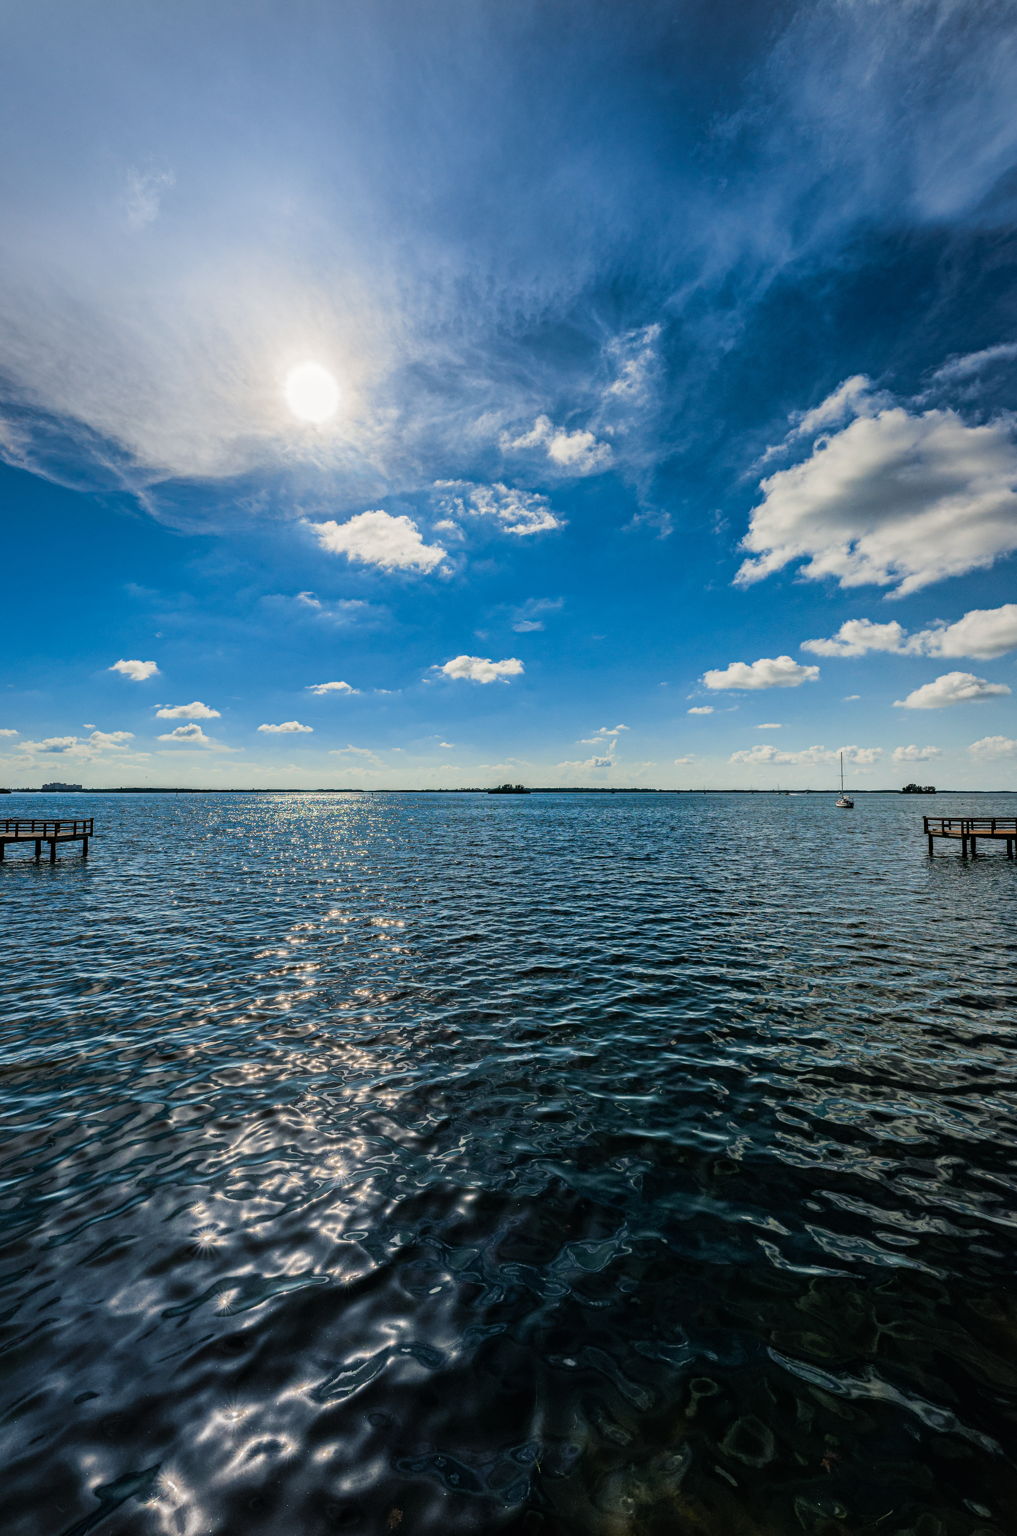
509	789
919	789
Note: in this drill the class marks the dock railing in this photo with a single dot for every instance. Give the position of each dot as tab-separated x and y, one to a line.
971	826
46	827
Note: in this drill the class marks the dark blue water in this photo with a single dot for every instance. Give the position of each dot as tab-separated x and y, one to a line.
587	1166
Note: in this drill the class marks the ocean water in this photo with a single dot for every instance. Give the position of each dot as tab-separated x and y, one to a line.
582	1165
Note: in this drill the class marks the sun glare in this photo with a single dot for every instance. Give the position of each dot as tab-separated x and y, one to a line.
311	392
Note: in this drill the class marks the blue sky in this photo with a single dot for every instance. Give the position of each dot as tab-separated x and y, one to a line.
663	361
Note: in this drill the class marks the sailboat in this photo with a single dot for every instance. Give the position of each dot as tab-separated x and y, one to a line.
845	803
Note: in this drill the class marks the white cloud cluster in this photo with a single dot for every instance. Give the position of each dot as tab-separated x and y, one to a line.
764	753
325	688
192	735
767	672
480	669
77	746
573	453
520	512
8	732
700	709
982	633
286	728
894	499
951	688
992	747
193	711
137	671
915	754
378	538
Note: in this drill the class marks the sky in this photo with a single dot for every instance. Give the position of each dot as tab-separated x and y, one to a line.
401	395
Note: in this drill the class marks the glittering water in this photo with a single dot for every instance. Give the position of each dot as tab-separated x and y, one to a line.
578	1165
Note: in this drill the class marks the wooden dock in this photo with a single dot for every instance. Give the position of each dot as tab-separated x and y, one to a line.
967	830
30	829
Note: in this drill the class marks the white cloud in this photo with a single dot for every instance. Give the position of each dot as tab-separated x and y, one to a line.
577	453
951	688
8	732
849	698
767	672
109	740
137	671
914	754
959	368
587	763
982	633
520	512
358	752
323	688
701	709
683	762
994	746
193	711
605	737
377	538
858	636
861	757
192	734
479	669
895	500
848	399
77	746
636	359
770	725
529	616
287	728
143	198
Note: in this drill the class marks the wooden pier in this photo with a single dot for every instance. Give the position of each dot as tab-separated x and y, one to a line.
30	829
968	829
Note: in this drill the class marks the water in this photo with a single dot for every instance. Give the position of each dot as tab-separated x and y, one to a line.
586	1166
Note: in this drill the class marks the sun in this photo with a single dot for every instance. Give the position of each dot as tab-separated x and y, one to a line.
311	392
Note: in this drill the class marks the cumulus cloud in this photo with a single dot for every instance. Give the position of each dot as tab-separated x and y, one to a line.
848	399
856	637
190	734
982	633
701	709
137	671
915	754
994	747
951	688
78	746
764	753
767	672
519	512
770	725
480	669
286	728
378	538
587	763
574	453
683	762
325	688
8	732
193	711
894	499
605	738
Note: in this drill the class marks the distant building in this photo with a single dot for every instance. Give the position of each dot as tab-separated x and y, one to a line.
56	784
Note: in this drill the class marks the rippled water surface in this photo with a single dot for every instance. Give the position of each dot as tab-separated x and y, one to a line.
580	1165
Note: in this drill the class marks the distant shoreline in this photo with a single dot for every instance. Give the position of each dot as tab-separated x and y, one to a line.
538	789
